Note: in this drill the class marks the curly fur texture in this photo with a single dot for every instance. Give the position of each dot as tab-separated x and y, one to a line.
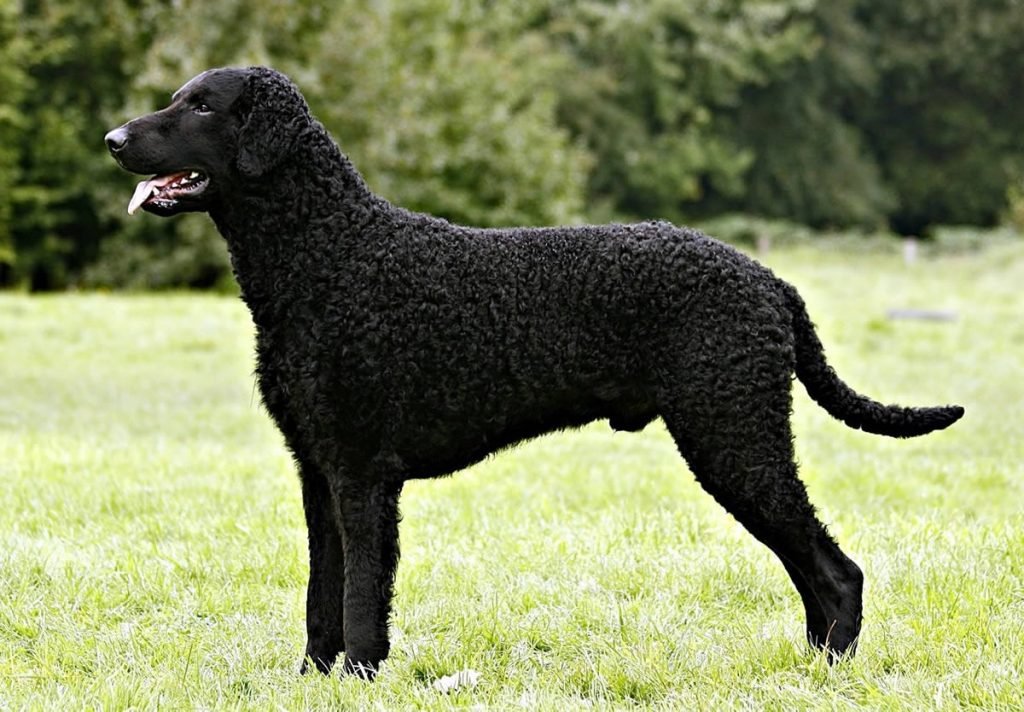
394	345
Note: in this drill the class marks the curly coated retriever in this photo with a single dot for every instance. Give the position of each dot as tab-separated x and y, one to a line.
393	345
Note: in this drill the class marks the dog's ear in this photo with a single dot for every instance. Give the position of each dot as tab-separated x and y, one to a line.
273	115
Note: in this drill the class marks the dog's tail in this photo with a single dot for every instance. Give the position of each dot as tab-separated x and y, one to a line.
844	403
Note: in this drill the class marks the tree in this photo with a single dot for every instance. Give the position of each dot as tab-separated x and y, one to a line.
831	113
657	80
13	83
450	108
945	119
812	163
445	108
180	40
72	74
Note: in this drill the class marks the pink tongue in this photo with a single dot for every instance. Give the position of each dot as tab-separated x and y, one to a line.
145	189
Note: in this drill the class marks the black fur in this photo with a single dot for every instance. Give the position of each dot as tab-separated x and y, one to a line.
393	345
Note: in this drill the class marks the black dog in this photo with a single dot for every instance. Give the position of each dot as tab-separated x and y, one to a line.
393	345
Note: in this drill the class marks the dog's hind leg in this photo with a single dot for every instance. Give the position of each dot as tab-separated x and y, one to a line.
739	447
325	591
368	508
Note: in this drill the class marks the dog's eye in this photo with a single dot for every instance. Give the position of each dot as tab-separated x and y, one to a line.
202	109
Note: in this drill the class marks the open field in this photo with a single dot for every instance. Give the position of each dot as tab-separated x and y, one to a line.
152	549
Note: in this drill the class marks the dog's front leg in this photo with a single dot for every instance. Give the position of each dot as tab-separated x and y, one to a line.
369	524
325	591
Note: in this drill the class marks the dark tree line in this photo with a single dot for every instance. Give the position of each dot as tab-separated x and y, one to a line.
830	113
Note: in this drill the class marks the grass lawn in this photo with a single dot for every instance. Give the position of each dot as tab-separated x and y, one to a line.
152	547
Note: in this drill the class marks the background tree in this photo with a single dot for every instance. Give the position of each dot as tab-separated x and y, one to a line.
945	120
832	114
13	83
186	38
74	62
811	159
447	108
656	78
450	108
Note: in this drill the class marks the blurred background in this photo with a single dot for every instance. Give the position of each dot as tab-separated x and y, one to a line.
750	118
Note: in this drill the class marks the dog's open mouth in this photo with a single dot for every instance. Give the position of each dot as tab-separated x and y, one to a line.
165	191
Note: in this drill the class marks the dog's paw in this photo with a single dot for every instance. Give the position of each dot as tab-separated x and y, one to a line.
363	669
317	663
839	642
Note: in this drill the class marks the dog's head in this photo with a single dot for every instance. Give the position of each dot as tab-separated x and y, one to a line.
223	128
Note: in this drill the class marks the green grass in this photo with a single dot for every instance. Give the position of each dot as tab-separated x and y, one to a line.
152	545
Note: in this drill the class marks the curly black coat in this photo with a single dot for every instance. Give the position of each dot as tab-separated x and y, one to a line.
394	345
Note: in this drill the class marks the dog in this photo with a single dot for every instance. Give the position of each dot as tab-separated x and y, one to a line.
393	345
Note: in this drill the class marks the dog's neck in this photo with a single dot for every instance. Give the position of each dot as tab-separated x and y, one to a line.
277	236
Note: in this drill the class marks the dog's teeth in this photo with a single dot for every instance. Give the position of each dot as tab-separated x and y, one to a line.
193	175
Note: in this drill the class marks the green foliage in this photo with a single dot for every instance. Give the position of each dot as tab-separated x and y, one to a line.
655	79
833	114
187	37
74	60
811	164
753	232
439	114
194	255
1015	206
13	83
449	108
945	120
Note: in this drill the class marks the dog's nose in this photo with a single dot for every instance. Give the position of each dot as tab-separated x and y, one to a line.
116	139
